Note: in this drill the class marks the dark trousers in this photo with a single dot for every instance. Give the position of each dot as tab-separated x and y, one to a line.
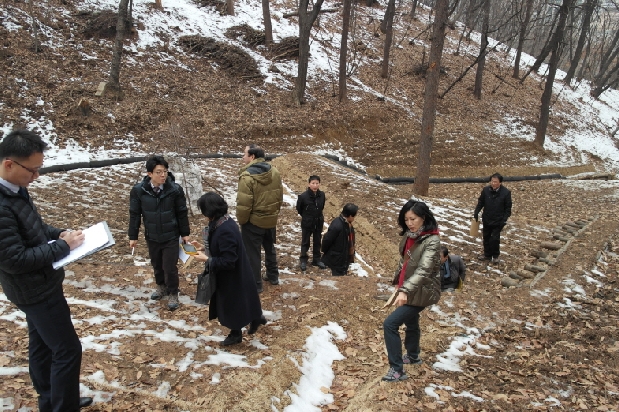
409	316
492	240
55	354
164	258
255	237
306	233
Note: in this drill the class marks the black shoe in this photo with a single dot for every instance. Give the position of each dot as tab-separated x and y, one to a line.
484	257
260	288
85	401
255	324
303	266
320	265
233	338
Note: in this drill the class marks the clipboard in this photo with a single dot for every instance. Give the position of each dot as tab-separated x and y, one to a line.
96	238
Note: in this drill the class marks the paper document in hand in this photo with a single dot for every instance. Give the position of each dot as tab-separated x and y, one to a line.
96	237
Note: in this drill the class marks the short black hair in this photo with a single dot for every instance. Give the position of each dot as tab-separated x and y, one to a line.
350	209
212	205
155	161
420	209
498	176
255	150
444	251
313	177
21	144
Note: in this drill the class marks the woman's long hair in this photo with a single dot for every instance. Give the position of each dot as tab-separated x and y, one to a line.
420	209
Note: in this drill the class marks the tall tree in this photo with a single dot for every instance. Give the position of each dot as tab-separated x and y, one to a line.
483	50
555	46
413	9
422	177
268	27
522	33
588	8
388	21
230	7
344	49
35	27
306	21
113	84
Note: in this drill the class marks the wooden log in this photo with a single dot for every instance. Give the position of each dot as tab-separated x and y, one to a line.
525	274
514	275
560	232
533	268
549	262
539	254
561	238
572	224
509	282
551	245
569	229
296	13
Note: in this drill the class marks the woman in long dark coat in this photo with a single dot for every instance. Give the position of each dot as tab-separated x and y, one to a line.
235	302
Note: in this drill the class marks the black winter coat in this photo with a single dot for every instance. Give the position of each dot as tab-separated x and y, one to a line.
310	206
26	257
497	206
235	302
165	215
457	270
336	246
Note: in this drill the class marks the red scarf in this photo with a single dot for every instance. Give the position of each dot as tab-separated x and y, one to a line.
409	244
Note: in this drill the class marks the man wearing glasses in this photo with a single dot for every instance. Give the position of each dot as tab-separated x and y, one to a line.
28	247
160	202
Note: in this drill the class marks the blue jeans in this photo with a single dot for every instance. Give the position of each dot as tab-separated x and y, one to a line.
409	316
55	354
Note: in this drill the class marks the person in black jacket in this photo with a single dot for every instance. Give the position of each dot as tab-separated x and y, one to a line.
338	244
28	248
452	270
496	201
161	203
310	205
236	302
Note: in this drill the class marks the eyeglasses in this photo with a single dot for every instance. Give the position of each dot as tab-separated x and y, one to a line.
159	172
33	171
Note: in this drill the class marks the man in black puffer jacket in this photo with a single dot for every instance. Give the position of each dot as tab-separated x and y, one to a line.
310	205
496	201
338	244
161	203
28	248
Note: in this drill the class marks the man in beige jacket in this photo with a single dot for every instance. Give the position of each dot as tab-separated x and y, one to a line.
259	199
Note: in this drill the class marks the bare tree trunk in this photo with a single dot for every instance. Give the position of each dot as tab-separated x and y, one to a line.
230	7
522	36
306	21
35	27
344	49
422	177
413	9
588	9
113	84
158	4
268	27
483	51
555	49
544	52
388	38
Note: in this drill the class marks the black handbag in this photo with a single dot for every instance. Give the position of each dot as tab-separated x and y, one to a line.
206	286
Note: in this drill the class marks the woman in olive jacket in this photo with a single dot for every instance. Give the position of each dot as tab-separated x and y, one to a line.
419	285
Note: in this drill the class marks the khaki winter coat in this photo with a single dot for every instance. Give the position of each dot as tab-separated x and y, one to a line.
422	279
260	194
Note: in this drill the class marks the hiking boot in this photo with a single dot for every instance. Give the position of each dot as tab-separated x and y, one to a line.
319	264
233	338
303	265
273	282
160	292
173	302
394	375
411	360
